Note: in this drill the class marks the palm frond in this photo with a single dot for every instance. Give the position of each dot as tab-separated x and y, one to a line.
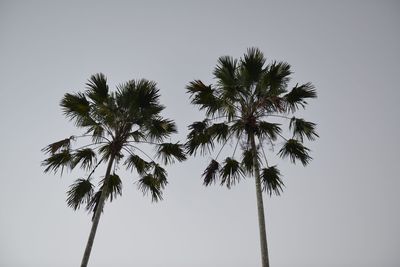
275	79
76	107
303	128
248	160
161	174
64	144
268	130
114	186
231	172
137	163
158	129
225	73
80	192
168	152
149	183
97	131
297	96
219	131
204	96
295	151
251	66
59	160
271	181
86	157
97	88
199	138
211	172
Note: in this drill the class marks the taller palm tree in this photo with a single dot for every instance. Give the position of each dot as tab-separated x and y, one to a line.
244	106
116	127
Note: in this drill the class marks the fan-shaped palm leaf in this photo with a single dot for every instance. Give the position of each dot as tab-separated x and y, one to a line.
137	163
58	160
303	128
297	96
211	172
199	138
97	88
230	172
80	192
114	186
268	130
271	181
295	151
275	79
168	152
219	131
151	184
86	157
251	67
158	129
77	108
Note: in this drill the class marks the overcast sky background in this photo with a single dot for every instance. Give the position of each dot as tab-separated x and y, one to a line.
341	210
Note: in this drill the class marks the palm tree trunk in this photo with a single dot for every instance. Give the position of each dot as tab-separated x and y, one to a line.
97	214
260	206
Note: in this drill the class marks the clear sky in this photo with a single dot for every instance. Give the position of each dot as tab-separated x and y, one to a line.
342	210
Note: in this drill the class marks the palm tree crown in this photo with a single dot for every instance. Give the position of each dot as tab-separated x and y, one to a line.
247	100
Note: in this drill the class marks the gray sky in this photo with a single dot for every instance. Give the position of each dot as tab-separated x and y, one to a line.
342	210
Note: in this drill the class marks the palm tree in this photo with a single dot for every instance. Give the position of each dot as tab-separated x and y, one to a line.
116	127
244	107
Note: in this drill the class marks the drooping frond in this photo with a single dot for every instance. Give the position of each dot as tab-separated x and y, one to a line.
211	172
168	152
114	186
271	181
59	145
137	163
199	138
161	174
97	88
58	160
230	172
248	160
80	193
303	128
268	130
86	157
295	151
158	129
297	96
149	183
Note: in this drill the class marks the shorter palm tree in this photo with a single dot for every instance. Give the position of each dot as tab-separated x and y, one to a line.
117	128
244	108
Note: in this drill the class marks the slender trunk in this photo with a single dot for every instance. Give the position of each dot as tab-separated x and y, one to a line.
97	214
260	206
